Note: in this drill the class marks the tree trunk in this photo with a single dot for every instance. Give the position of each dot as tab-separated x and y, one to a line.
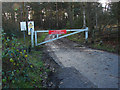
70	15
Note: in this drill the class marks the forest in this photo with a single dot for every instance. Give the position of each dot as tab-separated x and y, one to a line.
103	23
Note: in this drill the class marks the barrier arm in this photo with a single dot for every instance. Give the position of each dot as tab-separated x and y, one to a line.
77	31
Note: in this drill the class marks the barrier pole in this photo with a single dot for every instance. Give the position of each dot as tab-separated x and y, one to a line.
86	36
35	38
32	38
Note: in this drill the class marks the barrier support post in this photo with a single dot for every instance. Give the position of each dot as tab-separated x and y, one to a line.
32	38
57	35
86	36
35	38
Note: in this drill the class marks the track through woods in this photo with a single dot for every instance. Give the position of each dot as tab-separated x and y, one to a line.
83	67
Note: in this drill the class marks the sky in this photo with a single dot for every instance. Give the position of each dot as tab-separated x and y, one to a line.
104	2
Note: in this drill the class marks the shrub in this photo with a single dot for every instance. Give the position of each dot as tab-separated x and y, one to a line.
14	60
18	71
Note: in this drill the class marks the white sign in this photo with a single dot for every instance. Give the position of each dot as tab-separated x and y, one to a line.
30	27
23	26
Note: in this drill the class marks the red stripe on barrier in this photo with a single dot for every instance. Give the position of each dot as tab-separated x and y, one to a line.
57	32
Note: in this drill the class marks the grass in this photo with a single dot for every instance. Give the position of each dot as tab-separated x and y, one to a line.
23	84
34	75
80	38
103	47
41	36
27	41
35	59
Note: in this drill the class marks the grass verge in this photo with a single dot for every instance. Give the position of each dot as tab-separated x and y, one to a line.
35	72
40	71
112	46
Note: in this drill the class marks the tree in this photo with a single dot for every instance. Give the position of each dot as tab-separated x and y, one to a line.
10	22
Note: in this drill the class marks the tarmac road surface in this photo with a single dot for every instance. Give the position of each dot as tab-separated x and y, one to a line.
99	67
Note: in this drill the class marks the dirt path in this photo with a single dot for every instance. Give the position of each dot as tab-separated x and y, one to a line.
99	68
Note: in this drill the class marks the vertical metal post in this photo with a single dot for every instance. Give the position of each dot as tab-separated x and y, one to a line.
84	24
86	36
57	35
35	38
32	38
24	35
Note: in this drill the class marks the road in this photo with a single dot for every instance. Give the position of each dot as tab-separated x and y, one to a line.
99	67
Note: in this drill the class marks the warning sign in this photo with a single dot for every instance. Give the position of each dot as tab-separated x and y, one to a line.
30	27
57	32
23	26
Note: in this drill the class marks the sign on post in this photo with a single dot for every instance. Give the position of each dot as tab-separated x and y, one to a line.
57	32
30	27
23	26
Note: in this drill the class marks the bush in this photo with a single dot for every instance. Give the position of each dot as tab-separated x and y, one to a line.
14	58
18	71
11	27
